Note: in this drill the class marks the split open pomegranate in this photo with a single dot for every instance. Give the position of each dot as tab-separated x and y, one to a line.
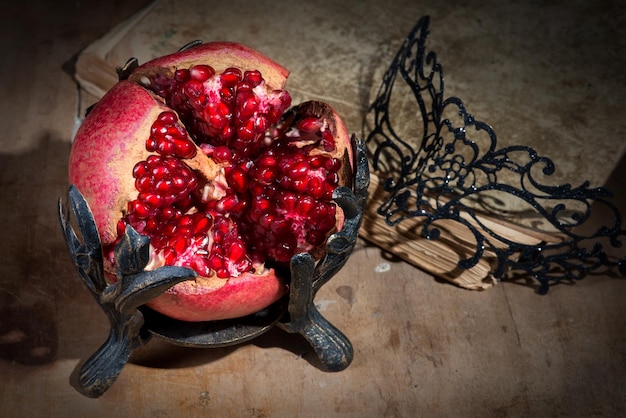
200	151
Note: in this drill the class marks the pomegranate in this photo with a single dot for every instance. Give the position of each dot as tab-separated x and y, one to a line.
199	151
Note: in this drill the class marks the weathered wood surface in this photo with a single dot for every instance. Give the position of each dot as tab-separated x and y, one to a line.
422	347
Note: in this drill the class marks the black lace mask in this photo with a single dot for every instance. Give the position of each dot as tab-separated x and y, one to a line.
455	171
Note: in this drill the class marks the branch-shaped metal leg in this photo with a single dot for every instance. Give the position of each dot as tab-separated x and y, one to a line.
331	346
120	300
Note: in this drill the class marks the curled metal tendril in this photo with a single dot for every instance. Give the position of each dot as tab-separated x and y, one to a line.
454	169
120	300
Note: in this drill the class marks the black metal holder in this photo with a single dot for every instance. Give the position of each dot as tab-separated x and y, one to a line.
451	168
133	324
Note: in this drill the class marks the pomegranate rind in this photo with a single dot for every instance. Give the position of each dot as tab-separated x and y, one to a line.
215	299
108	144
105	149
220	56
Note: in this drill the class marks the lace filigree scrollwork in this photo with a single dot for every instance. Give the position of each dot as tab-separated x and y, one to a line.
446	165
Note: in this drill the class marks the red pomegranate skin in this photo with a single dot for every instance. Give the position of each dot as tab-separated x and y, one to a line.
111	141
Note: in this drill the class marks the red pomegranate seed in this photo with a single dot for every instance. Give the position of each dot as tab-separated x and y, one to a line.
183	148
316	187
298	170
140	209
202	226
222	154
227	94
177	183
151	144
231	77
310	125
317	161
143	184
176	130
167	213
163	185
184	203
328	141
121	227
236	251
247	105
261	204
180	244
181	75
185	220
141	169
198	103
326	219
305	204
227	203
244	88
246	131
332	179
201	72
221	224
215	116
333	164
300	185
152	225
285	182
265	175
165	148
315	237
215	260
153	160
151	199
266	160
227	133
167	117
170	255
192	182
202	267
193	89
238	179
160	172
158	241
184	231
288	201
253	78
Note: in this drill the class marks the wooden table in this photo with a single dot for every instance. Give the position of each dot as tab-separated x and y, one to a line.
422	347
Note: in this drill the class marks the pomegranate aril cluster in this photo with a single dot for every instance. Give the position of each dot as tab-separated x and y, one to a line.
166	208
164	182
279	173
169	138
291	210
161	182
228	255
231	108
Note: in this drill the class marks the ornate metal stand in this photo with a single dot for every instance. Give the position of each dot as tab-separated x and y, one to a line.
133	324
